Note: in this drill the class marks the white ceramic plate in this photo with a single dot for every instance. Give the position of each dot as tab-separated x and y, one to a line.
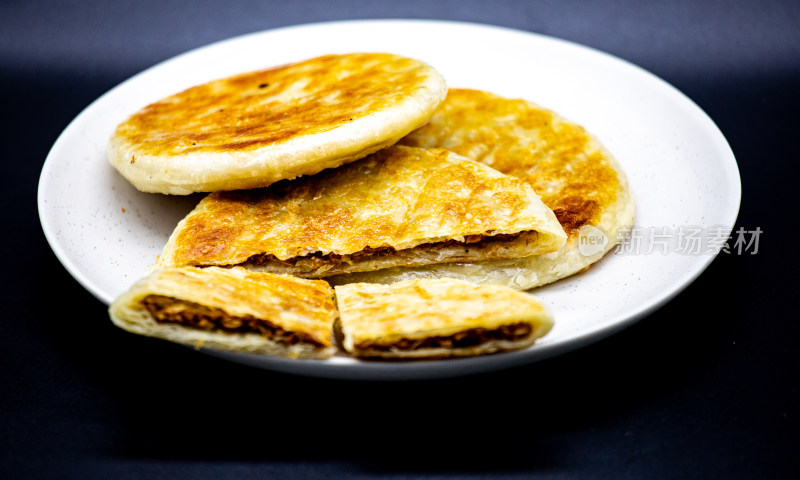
682	172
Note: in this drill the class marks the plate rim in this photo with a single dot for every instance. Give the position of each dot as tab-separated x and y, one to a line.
366	370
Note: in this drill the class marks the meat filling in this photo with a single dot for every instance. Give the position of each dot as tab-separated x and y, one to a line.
193	315
319	259
464	339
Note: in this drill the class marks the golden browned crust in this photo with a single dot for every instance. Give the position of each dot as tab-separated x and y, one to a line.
398	198
560	160
253	129
231	309
437	318
247	111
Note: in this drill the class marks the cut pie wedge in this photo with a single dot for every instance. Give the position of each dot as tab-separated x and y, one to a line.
401	206
437	318
231	309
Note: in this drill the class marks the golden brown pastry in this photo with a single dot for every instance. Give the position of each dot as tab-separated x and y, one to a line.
568	168
430	318
399	206
231	309
253	129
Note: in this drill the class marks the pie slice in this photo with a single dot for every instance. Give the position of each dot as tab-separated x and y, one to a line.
231	309
430	318
399	206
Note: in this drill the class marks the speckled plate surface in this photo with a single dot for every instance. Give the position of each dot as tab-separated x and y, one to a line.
683	175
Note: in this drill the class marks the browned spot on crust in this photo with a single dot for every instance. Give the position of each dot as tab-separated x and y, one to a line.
575	212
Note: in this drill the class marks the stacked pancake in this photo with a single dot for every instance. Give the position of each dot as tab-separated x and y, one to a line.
427	209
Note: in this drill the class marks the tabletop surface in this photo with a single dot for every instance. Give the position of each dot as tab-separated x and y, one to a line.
80	398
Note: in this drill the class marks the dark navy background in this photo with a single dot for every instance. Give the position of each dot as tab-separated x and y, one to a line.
706	387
